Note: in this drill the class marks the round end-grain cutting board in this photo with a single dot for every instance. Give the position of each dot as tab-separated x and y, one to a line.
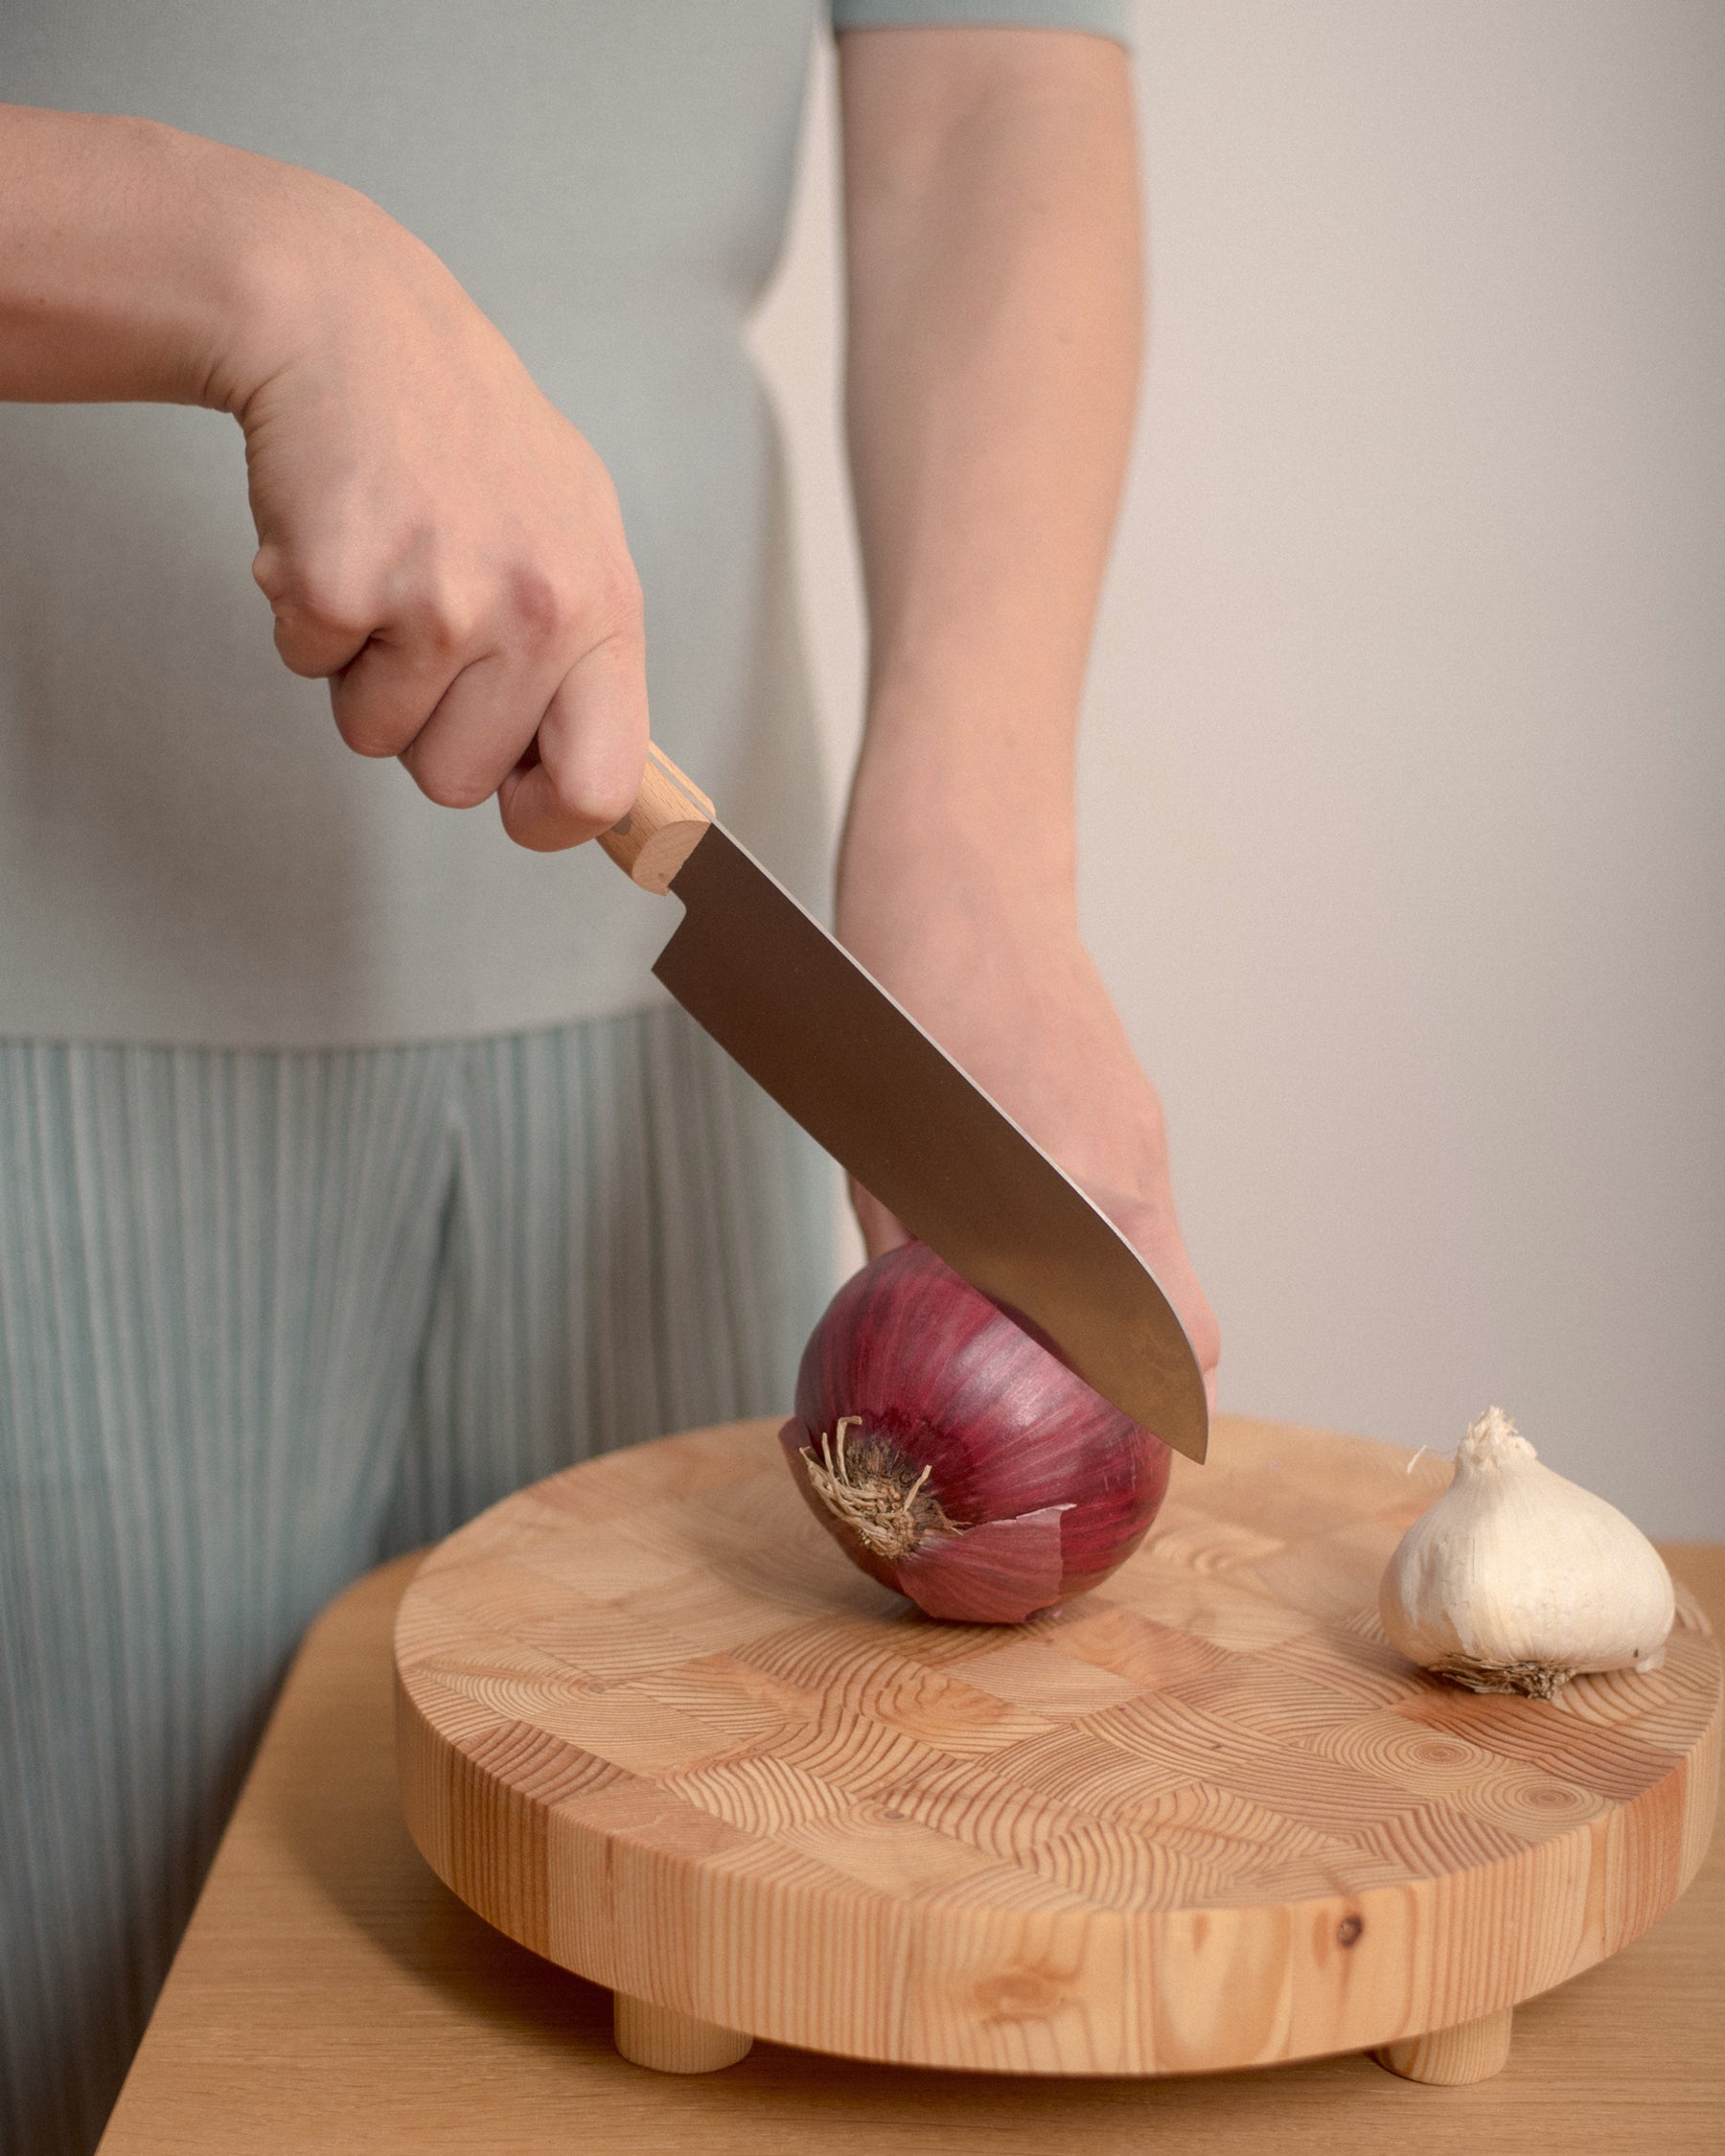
656	1728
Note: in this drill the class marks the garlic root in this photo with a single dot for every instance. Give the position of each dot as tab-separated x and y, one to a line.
1516	1580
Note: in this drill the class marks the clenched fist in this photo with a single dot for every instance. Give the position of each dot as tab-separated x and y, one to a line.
435	539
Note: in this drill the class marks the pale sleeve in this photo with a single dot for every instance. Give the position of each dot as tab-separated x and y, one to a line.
1101	18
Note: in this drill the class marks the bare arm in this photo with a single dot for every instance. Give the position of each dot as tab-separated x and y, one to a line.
434	537
995	299
126	257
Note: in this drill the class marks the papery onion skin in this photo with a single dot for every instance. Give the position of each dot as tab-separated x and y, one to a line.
926	1371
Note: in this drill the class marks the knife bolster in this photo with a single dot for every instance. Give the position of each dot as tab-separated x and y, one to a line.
667	820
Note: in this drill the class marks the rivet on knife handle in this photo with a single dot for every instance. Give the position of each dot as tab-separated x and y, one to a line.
668	820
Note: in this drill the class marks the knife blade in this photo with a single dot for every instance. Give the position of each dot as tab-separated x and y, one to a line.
849	1063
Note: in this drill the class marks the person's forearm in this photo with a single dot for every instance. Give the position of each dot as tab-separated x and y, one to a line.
994	300
435	539
140	262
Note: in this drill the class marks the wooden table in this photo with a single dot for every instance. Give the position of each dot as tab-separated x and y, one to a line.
330	1996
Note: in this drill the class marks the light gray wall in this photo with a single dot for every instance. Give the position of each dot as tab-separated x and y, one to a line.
1404	764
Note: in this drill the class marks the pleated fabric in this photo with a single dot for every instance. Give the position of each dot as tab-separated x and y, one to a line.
266	1320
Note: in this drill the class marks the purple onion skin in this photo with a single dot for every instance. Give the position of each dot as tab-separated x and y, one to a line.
935	1369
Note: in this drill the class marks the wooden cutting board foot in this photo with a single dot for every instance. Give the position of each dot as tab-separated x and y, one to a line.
1448	2058
673	2043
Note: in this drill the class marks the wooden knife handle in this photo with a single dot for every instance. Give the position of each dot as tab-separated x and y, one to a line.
670	817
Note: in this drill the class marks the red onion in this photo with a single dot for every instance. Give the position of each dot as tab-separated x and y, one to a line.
956	1459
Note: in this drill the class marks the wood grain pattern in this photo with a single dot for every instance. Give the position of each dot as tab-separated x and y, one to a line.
652	1725
333	1998
668	820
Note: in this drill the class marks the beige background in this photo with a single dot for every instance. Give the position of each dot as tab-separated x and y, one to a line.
1404	761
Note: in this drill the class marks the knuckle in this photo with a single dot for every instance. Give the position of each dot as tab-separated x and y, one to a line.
531	831
549	612
449	768
444	620
455	789
267	571
596	803
543	611
371	733
326	596
298	652
620	604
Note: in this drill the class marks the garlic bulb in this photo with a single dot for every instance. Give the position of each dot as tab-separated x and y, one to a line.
1516	1580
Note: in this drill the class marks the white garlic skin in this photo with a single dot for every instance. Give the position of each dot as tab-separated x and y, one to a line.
1516	1579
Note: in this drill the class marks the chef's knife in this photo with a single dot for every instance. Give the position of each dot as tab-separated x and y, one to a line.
862	1078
